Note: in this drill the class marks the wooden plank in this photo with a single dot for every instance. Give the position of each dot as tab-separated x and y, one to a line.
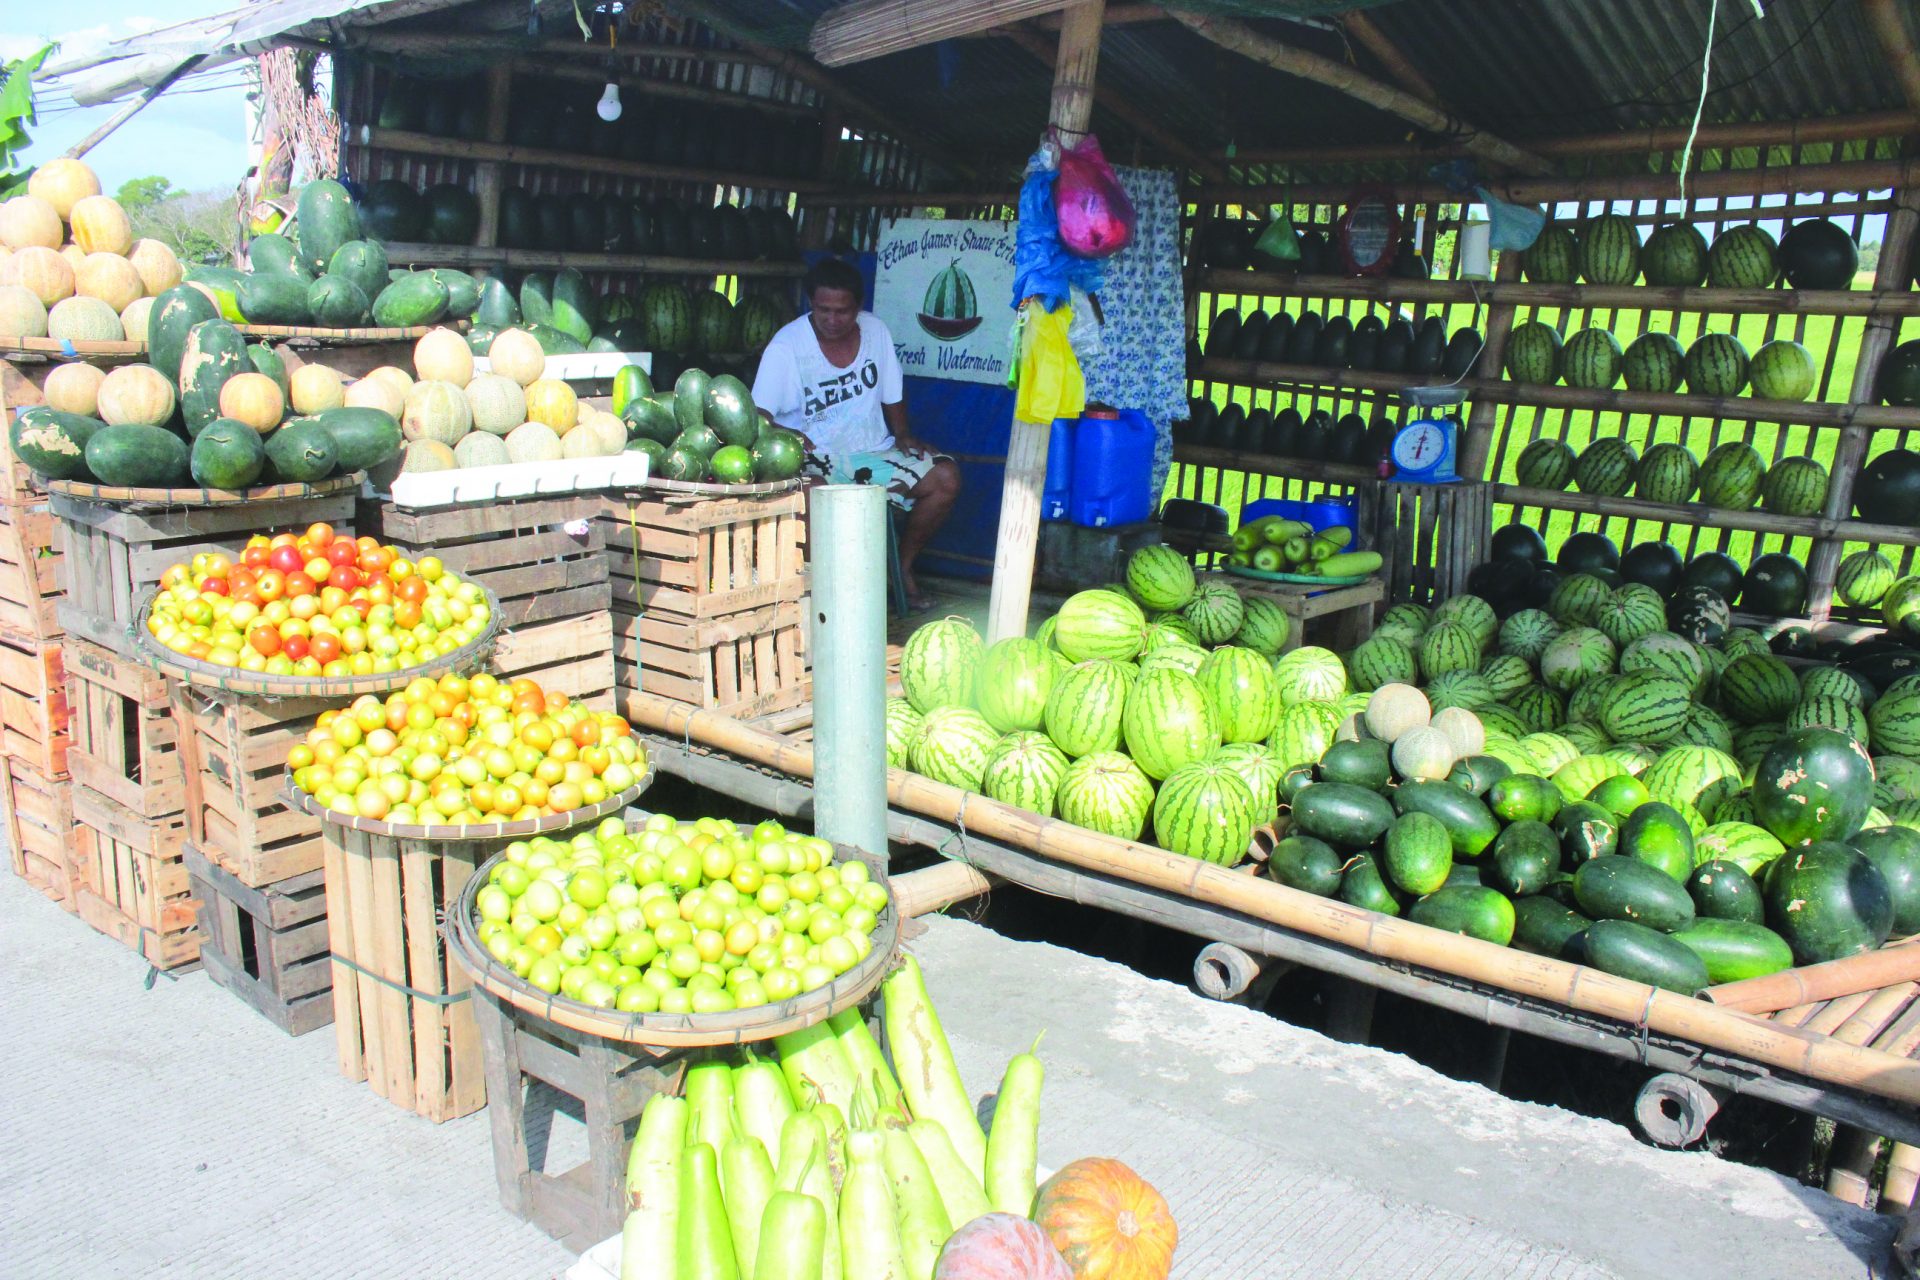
348	1044
1877	1014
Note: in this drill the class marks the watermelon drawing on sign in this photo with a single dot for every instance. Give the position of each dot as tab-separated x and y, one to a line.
950	312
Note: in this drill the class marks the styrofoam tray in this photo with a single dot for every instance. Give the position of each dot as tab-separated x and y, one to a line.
583	366
518	480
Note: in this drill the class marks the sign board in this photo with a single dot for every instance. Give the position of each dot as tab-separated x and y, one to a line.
944	288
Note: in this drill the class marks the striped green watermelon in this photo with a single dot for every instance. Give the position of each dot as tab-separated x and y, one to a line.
1406	619
1303	733
1553	257
1448	646
1667	474
1527	633
666	313
1024	770
1577	778
1747	846
1795	487
1533	353
1864	578
1705	727
1473	613
1105	792
1758	688
1610	250
1895	718
1014	679
1895	778
1539	708
1044	633
1264	626
1669	654
1205	811
1717	365
1575	657
1585	703
1099	624
1382	660
1825	711
1215	612
1310	674
1750	742
716	329
1740	641
953	747
1675	256
1633	612
1654	362
1783	370
1738	807
1168	722
760	318
1240	687
1832	682
1181	657
1548	751
1587	739
1743	257
1160	577
1578	600
1259	769
1592	359
1465	689
940	663
950	295
903	730
1633	757
1085	708
1168	629
1731	475
1646	707
1506	674
1502	721
1901	602
1606	467
1545	464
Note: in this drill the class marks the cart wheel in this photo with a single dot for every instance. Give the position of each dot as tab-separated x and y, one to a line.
1673	1111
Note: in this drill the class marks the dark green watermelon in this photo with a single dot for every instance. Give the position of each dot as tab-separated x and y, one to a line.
1829	902
1811	785
1887	490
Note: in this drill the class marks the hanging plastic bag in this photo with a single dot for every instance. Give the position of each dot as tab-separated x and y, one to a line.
1088	325
1515	226
1096	217
1279	242
1051	384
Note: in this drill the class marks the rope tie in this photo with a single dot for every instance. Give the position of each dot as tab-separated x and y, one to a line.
430	997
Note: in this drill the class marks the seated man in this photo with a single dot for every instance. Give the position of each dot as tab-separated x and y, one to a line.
831	375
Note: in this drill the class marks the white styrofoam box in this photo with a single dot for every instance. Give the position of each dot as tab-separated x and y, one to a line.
518	480
602	1262
583	366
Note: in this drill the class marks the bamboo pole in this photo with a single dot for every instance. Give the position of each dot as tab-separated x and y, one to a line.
1370	37
1867	971
505	153
1482	415
935	888
1242	39
1896	41
867	29
654	87
1850	1164
1903	1174
1400	941
486	174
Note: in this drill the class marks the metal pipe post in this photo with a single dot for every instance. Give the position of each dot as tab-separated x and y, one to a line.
849	626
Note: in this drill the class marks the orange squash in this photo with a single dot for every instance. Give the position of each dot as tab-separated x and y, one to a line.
999	1246
1107	1222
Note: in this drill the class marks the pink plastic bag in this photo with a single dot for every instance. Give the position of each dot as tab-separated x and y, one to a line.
1096	218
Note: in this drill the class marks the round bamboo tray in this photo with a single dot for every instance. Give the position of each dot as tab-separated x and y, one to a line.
207	675
523	829
165	499
674	1030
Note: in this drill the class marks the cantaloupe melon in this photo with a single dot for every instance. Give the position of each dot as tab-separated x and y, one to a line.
516	354
593	438
533	442
553	402
427	455
479	449
100	226
22	314
135	393
74	388
42	270
255	399
158	265
376	393
63	183
314	388
27	221
442	355
110	278
133	321
436	411
74	255
398	378
84	320
499	403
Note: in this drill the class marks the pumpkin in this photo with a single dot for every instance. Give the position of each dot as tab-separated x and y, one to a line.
552	401
134	320
110	278
84	320
255	399
376	393
442	355
1000	1246
42	271
1463	730
427	455
100	226
74	388
516	354
436	411
22	313
136	394
499	403
1107	1222
29	221
398	378
533	442
158	265
1395	709
314	388
63	183
1423	753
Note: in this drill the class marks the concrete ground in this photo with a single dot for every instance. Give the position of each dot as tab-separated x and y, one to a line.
170	1131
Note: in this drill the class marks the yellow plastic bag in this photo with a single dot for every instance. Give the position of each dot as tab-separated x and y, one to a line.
1051	384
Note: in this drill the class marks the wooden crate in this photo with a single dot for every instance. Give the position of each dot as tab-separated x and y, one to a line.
141	898
745	664
1339	618
233	761
36	819
267	945
34	715
573	656
19	389
29	574
522	550
163	836
113	557
402	1012
1430	535
125	738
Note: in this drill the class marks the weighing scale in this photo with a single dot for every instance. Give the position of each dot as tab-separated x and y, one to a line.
1423	450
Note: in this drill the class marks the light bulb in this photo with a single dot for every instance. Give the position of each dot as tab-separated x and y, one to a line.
609	104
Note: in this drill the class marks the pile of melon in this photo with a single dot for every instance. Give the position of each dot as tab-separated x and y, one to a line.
69	265
452	417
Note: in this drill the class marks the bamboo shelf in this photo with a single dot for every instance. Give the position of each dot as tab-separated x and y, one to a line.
1217	369
501	258
1755	521
1313	469
425	144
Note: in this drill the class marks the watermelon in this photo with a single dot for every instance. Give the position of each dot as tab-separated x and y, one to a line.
1545	464
1705	777
1303	732
1533	353
1382	660
1215	612
1165	630
1610	250
1592	359
1758	688
1666	474
1606	467
1745	845
1864	578
1506	675
1775	583
1264	626
1448	647
1578	600
1205	811
1527	633
1539	708
1895	718
953	747
1717	365
1553	257
1675	256
1259	768
1085	707
1654	362
1813	784
1795	487
1100	624
1168	721
1015	676
1631	613
1471	612
1670	654
939	664
1024	770
1832	682
1575	657
903	730
1105	792
1160	577
1818	254
1829	712
1310	674
1240	688
1900	377
1742	257
1828	901
1783	370
666	314
1731	476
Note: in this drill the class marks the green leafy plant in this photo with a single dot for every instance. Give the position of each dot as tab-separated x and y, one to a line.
16	113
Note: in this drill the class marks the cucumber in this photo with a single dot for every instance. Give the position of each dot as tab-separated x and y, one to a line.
1349	564
1546	928
1612	887
1657	835
1470	824
413	300
1586	832
1419	855
705	1246
1307	864
1361	885
1735	949
1521	796
1639	954
1475	911
1367	763
1723	890
1342	813
1525	857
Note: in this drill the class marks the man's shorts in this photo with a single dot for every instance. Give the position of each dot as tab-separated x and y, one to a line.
895	470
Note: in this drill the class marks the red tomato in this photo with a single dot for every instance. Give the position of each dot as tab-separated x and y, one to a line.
214	587
282	540
299	584
295	647
286	558
324	648
411	589
319	535
342	553
375	560
265	641
406	613
344	576
240	582
255	557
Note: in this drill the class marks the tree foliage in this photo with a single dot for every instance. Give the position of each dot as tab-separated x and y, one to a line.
16	113
200	226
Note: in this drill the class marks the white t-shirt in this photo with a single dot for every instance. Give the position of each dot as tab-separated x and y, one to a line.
838	409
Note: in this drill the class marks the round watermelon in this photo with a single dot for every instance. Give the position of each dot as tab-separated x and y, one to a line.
1205	811
953	747
1813	784
1240	687
1264	626
1310	674
1160	578
1215	612
1015	677
1828	901
939	663
903	730
1168	722
1105	792
1099	624
1085	706
1024	770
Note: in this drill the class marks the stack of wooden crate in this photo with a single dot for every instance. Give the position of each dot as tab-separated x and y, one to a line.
707	596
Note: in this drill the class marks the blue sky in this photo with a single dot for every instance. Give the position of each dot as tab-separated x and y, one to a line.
195	138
